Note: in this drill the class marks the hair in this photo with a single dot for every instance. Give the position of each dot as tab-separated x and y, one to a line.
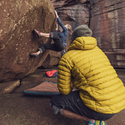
70	29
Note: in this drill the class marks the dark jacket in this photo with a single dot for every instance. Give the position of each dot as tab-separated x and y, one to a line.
63	35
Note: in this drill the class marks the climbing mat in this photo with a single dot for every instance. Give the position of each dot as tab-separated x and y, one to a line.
46	88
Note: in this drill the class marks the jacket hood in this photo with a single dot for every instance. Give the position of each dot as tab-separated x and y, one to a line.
83	43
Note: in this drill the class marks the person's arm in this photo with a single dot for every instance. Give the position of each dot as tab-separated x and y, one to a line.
64	77
60	22
56	27
56	22
56	14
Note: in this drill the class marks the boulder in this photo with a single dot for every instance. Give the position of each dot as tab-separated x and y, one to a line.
67	3
9	87
52	59
18	19
107	23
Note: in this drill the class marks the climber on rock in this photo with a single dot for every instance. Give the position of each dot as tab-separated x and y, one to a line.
59	38
100	93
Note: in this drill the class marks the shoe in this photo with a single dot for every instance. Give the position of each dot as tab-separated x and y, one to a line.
34	54
97	122
37	32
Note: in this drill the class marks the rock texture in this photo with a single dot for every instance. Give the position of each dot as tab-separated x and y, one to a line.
11	86
106	19
73	12
18	19
52	58
107	23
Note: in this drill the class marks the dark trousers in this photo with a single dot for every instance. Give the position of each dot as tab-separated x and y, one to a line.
56	46
72	102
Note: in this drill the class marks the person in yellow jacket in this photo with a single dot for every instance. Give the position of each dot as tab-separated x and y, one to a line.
99	94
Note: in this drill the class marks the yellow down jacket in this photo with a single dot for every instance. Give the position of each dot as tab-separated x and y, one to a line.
92	74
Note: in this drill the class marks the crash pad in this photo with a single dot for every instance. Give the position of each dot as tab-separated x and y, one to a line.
44	89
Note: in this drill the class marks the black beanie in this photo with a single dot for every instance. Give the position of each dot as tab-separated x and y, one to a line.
82	30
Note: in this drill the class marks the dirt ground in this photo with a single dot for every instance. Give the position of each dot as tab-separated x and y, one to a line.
17	109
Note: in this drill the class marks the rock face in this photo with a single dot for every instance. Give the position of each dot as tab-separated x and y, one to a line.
106	18
72	12
108	26
18	19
